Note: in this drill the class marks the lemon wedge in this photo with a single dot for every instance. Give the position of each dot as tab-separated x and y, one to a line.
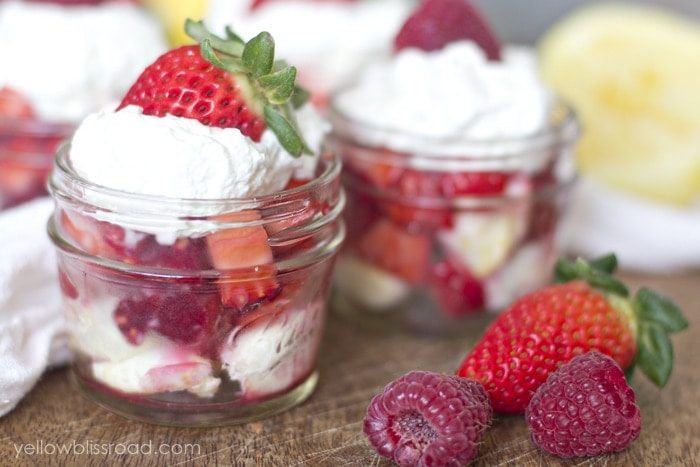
633	73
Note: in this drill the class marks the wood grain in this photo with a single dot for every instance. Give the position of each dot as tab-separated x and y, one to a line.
326	430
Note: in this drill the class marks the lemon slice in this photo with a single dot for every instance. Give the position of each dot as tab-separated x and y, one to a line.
633	74
173	15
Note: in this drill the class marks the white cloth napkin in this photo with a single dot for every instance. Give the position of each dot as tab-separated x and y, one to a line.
33	332
646	236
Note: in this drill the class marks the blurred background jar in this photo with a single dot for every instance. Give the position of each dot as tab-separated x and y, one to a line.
62	61
458	171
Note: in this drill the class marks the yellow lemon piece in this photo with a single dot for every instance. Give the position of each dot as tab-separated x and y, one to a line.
633	74
173	14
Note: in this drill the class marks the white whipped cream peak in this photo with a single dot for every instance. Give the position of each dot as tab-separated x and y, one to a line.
450	95
70	61
181	158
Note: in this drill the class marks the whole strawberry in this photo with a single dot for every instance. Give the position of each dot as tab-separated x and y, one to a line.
428	419
586	309
585	408
226	83
436	23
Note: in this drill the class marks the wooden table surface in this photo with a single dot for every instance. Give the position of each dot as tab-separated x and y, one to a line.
327	429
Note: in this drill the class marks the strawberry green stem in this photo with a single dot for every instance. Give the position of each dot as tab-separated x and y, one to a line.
274	81
653	316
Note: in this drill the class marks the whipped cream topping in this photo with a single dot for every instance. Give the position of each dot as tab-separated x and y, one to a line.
328	41
70	61
182	158
448	96
183	161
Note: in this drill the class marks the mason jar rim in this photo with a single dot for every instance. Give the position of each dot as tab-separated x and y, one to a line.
65	183
563	128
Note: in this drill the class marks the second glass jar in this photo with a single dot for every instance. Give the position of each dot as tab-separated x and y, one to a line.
441	238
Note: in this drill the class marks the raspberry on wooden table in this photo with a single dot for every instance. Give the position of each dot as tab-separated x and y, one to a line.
428	419
585	408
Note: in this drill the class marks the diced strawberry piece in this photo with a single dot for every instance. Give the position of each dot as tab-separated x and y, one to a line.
67	286
456	290
296	182
184	254
422	197
19	183
87	233
436	23
244	255
14	105
393	248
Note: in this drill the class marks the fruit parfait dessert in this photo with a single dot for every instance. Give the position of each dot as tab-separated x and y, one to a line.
328	40
86	55
457	164
197	225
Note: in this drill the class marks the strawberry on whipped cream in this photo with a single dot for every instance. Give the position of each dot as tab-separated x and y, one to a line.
457	161
197	224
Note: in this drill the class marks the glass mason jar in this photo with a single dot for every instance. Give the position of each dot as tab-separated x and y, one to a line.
191	312
26	154
442	236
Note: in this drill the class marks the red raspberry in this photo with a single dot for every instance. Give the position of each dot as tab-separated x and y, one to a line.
585	408
428	419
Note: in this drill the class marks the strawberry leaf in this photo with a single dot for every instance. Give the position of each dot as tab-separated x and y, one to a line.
653	307
197	31
597	273
208	52
606	263
285	131
278	87
300	97
654	353
259	54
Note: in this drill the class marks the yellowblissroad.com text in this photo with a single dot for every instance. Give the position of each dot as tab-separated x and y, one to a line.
94	448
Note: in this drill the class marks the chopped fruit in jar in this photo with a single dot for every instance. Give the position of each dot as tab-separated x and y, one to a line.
245	249
14	105
186	318
484	240
455	289
185	253
369	285
436	23
89	234
159	368
20	183
274	350
394	249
